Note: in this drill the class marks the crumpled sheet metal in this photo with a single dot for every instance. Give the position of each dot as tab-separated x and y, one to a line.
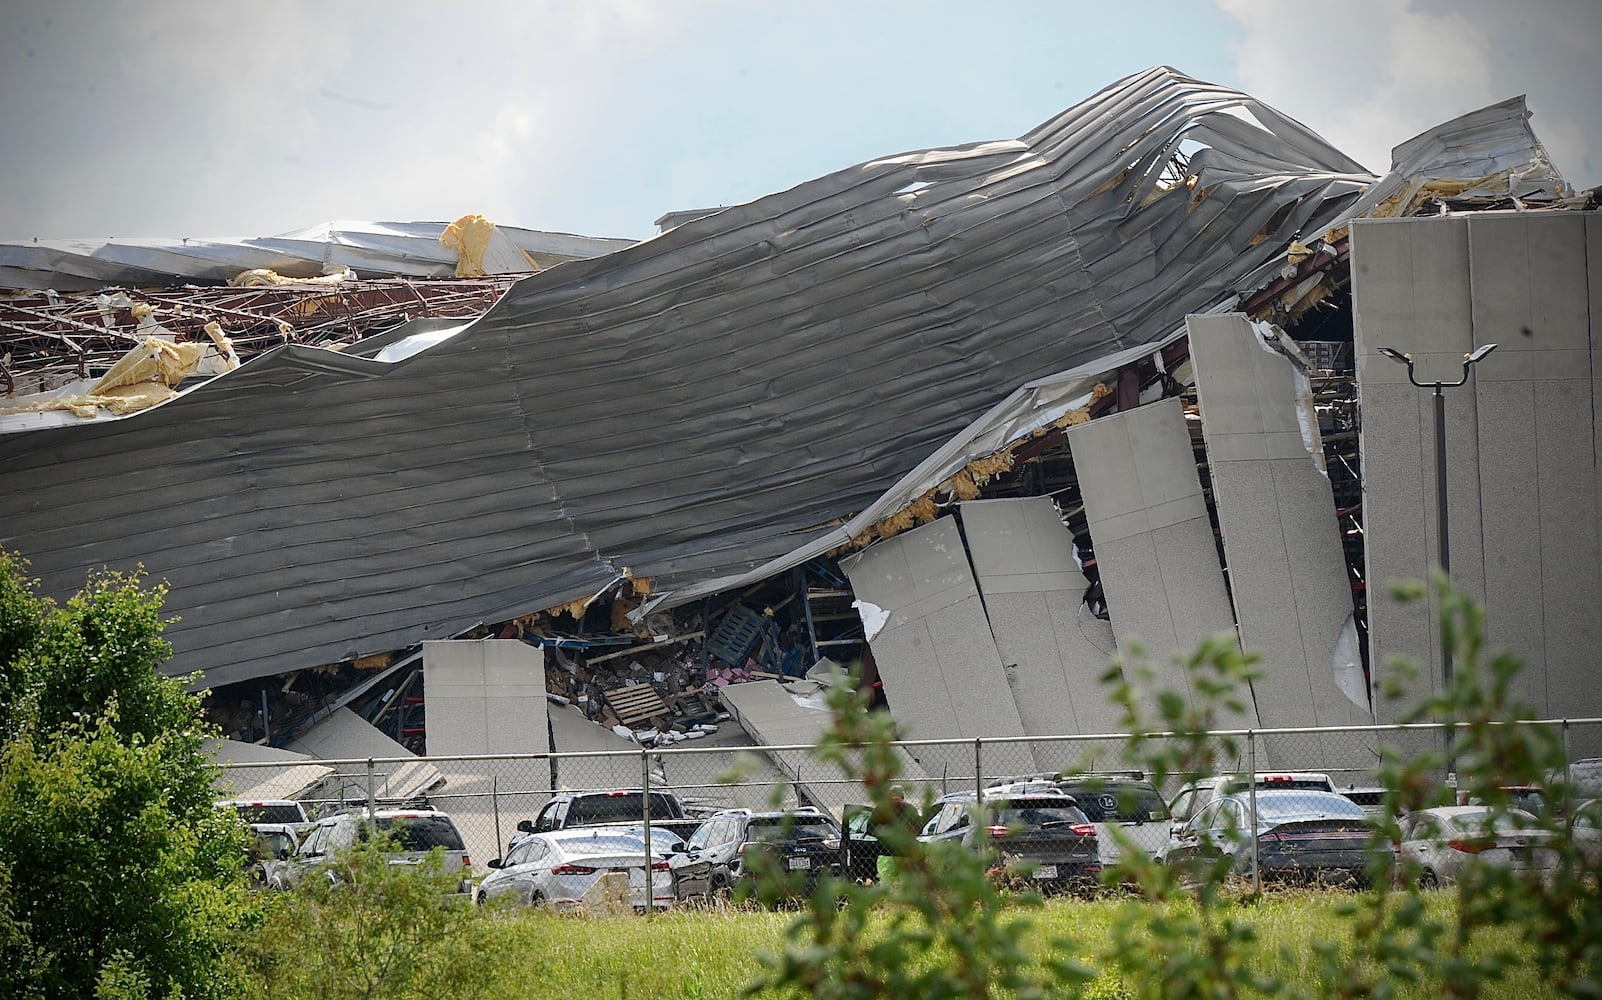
687	409
371	249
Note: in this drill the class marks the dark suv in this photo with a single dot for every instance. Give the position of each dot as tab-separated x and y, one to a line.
1122	805
1042	836
721	856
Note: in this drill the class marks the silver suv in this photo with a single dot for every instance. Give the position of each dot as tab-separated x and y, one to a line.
416	832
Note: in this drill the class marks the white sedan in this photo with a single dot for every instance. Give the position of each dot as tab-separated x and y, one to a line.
1441	844
556	869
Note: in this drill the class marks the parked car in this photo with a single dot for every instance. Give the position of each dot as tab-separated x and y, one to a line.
272	845
416	832
1041	835
255	811
1303	836
1586	832
719	857
556	869
1526	798
1126	802
865	847
613	807
1370	797
1193	796
1444	843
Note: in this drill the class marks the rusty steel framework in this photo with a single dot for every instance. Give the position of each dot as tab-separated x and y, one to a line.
49	338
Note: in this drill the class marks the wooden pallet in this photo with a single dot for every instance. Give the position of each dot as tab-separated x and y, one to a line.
636	704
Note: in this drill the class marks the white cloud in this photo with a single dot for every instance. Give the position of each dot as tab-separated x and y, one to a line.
1370	74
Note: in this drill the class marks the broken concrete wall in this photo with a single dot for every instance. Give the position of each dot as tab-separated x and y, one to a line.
1282	544
1054	650
942	674
283	774
1522	437
345	735
1154	543
487	696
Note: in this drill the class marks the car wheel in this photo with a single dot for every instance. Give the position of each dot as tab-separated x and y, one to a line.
481	899
536	899
1427	879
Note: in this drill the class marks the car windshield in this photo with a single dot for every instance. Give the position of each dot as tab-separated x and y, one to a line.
1288	808
1029	813
422	833
1118	804
615	807
791	828
267	812
1505	824
271	843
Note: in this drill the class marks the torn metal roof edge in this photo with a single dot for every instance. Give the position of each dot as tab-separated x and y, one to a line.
1032	406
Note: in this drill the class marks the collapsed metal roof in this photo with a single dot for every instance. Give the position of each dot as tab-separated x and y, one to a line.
389	249
701	408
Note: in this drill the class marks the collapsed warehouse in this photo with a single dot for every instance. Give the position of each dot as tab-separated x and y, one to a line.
964	422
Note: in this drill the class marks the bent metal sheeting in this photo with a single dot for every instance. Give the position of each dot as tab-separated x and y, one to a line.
686	409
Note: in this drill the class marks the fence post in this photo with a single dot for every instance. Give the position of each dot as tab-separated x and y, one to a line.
978	778
1251	766
645	811
495	805
369	788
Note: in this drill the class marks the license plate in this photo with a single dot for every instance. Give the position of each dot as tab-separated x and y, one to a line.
1046	871
800	863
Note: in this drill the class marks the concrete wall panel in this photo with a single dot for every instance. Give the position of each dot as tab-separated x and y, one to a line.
1054	649
485	696
1154	542
1281	540
941	671
1522	437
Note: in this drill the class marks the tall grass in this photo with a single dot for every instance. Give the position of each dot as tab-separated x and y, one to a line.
705	955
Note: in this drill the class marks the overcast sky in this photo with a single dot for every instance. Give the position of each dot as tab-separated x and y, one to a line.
168	118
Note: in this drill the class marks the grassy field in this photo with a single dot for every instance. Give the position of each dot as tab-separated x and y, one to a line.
697	955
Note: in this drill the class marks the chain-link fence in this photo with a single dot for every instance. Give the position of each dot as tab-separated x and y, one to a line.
1184	785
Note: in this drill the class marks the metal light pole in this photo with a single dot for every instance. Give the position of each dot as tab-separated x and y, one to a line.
1443	537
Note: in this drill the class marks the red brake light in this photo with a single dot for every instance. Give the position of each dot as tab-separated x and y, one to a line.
831	843
467	862
661	866
572	870
1470	846
998	831
616	795
1083	830
1276	777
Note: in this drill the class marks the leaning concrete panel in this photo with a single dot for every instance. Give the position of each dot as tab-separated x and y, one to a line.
485	697
253	771
1281	541
1054	650
1154	542
774	717
347	736
941	672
